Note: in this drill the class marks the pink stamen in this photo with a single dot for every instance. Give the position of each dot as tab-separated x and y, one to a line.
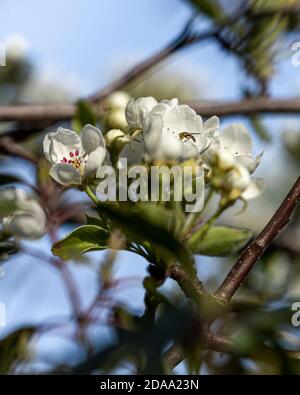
71	154
76	153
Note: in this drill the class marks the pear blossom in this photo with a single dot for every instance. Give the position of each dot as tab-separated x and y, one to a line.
74	158
173	131
24	216
231	176
236	141
137	111
232	149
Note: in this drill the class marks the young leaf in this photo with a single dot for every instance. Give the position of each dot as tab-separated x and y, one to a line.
84	114
83	239
7	248
149	223
219	241
91	220
13	348
211	8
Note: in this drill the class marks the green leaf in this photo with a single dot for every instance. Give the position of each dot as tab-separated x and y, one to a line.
260	129
291	140
84	115
7	248
13	348
8	179
7	207
90	220
211	8
219	241
83	239
149	223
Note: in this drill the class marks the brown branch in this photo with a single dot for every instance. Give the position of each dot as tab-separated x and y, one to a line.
54	113
37	112
184	40
210	341
262	105
253	252
9	147
189	284
218	343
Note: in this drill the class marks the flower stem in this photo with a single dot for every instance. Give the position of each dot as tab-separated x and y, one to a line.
204	229
193	217
91	195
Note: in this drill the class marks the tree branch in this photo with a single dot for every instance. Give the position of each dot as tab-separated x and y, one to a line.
54	113
253	252
218	343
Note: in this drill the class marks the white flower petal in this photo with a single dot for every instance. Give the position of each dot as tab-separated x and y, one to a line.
249	162
169	147
164	106
238	178
138	110
183	119
236	139
91	138
95	160
46	146
189	150
134	151
211	126
255	189
62	143
65	174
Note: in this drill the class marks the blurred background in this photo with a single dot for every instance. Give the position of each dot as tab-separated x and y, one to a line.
58	52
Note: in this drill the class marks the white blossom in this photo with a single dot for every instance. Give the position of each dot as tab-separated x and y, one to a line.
239	178
173	131
236	140
74	158
138	110
25	216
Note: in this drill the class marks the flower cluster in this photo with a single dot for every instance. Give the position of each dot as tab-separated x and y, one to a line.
158	131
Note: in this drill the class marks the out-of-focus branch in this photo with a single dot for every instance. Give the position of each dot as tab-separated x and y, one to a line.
214	342
54	113
261	105
185	39
253	252
37	112
9	147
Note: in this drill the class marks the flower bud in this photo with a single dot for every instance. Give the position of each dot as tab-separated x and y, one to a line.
116	139
16	47
116	119
117	100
